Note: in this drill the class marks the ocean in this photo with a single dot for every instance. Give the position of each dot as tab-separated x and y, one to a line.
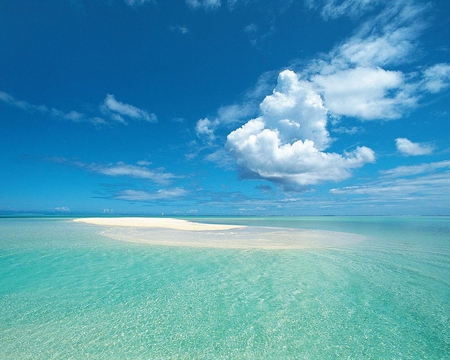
67	291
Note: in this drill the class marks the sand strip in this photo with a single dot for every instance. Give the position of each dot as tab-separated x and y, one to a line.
162	223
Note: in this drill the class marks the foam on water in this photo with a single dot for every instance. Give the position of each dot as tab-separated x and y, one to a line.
68	292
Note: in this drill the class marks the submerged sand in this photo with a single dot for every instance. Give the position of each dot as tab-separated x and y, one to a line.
177	232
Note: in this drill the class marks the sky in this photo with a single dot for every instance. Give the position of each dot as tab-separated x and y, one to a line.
225	107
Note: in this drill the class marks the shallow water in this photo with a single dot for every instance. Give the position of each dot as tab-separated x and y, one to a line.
66	291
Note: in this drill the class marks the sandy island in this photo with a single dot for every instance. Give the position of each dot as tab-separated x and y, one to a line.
177	232
162	223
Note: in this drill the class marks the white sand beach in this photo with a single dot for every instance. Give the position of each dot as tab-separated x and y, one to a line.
163	223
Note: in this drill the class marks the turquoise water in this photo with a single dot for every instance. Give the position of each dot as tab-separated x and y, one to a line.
68	292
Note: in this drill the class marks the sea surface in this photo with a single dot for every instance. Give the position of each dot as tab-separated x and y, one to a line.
68	292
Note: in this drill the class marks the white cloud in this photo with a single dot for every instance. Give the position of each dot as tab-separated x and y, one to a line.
354	78
117	110
134	171
139	195
231	114
331	9
296	111
411	170
205	129
365	93
113	109
44	110
261	154
285	143
181	29
425	185
437	77
137	2
63	209
205	4
349	131
226	115
407	147
387	38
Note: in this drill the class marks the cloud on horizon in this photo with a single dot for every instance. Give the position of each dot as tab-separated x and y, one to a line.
427	184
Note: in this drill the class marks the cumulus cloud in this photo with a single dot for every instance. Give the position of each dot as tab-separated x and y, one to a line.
260	153
204	4
285	144
116	110
409	148
140	195
296	110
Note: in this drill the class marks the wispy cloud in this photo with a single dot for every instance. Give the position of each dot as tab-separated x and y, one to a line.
111	109
120	169
134	3
409	148
331	9
411	170
204	4
140	195
158	176
44	110
117	110
426	184
180	29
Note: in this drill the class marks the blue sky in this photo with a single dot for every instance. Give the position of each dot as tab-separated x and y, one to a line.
215	107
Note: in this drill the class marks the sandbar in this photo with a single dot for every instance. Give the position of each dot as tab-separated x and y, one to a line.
177	232
162	223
